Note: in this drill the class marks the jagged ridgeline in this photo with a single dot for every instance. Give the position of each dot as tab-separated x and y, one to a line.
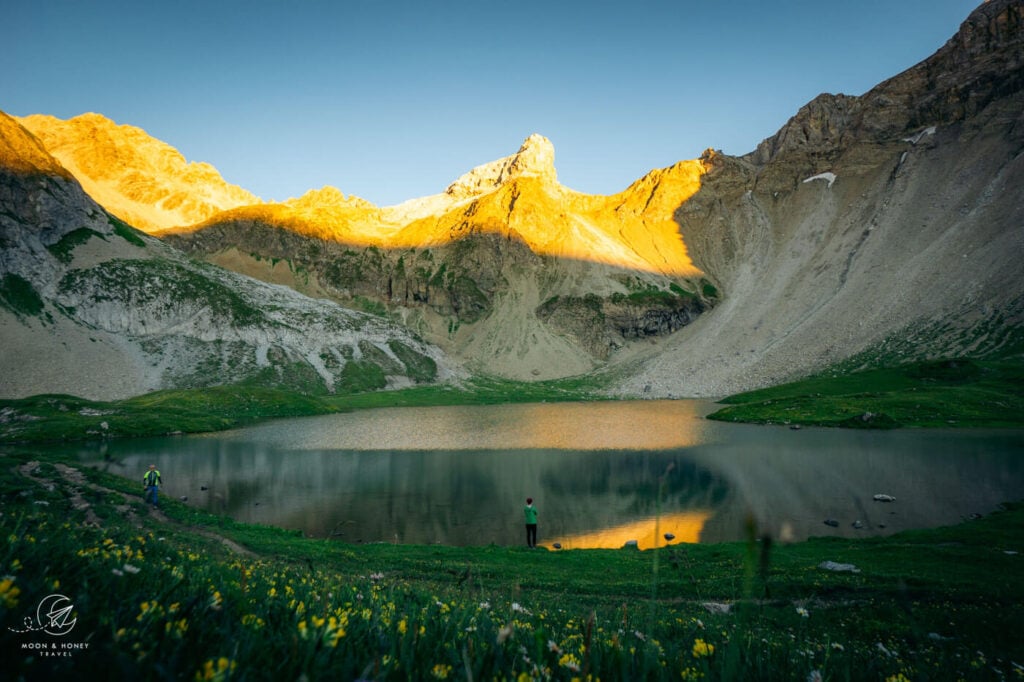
507	268
92	307
870	229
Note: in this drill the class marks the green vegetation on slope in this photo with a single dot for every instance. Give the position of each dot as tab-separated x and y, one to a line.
156	284
420	368
64	417
957	392
181	594
64	250
19	296
126	231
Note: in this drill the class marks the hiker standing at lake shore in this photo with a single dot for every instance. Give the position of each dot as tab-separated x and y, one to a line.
531	523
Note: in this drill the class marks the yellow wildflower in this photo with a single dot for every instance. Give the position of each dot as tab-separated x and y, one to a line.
252	620
702	648
176	628
441	671
215	671
569	661
144	609
335	630
9	593
402	626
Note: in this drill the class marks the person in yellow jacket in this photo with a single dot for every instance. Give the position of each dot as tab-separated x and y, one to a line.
151	483
531	523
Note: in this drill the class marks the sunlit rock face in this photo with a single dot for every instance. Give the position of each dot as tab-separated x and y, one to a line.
535	158
516	197
145	182
523	277
91	307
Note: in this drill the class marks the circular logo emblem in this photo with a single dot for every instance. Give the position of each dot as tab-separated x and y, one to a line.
54	615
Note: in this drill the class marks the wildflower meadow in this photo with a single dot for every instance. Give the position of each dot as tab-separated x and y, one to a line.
96	585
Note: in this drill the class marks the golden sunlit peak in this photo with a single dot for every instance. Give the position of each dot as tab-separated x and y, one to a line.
535	158
329	196
150	185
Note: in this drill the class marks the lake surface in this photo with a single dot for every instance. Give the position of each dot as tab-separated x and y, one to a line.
600	474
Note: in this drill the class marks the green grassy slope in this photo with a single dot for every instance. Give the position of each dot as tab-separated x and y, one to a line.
957	392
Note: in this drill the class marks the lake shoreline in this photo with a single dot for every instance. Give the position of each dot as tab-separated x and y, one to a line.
459	474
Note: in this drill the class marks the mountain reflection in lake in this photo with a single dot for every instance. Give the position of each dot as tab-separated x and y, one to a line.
600	473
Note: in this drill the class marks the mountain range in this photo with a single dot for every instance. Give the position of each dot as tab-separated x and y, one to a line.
870	229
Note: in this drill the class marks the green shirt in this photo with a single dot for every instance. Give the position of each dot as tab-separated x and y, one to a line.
531	514
151	477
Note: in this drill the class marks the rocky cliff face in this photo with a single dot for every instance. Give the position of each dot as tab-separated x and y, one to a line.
878	228
92	307
980	65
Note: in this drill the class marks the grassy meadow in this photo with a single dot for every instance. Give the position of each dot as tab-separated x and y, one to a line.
957	392
179	594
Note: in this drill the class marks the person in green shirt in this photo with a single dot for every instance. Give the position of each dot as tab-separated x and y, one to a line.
531	523
151	483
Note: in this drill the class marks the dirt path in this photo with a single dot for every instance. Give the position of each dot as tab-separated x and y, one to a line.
74	481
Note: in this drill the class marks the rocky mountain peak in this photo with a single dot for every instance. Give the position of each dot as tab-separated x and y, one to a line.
982	62
22	153
328	196
143	180
535	158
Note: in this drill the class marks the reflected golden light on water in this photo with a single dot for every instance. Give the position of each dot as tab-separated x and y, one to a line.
602	425
648	533
653	425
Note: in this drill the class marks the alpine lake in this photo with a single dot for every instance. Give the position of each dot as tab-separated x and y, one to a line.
601	474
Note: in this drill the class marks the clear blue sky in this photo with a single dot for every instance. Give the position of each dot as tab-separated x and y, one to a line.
394	100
